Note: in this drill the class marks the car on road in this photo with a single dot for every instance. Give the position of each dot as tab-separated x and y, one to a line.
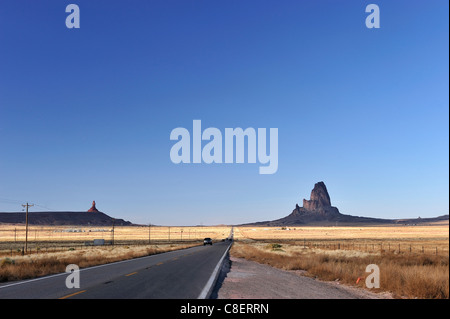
207	241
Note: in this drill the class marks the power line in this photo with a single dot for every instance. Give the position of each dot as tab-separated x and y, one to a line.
14	201
26	225
45	207
10	201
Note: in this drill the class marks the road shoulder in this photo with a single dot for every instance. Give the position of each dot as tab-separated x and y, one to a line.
251	280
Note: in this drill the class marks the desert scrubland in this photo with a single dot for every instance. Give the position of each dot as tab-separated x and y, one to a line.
413	260
51	238
51	248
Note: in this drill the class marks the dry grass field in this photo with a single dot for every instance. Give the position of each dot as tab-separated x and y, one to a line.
64	233
374	232
35	265
413	260
420	239
51	249
50	238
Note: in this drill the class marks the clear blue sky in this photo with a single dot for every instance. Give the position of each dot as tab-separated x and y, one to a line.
86	114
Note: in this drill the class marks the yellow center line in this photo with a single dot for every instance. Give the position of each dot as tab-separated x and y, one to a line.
76	293
133	273
159	264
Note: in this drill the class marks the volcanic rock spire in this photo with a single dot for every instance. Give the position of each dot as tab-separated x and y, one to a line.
93	209
318	211
318	206
319	198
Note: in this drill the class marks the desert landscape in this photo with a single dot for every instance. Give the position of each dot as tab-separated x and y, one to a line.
315	241
51	248
413	260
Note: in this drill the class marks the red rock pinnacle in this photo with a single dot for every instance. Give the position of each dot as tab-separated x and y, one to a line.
93	209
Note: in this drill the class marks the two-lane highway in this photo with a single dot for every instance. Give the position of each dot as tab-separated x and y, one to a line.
181	274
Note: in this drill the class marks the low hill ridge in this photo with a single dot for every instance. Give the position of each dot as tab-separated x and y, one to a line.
62	218
318	211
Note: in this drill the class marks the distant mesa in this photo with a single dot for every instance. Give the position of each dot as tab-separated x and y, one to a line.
93	209
55	218
317	211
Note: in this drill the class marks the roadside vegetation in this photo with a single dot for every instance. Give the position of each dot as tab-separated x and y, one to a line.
36	265
51	248
404	275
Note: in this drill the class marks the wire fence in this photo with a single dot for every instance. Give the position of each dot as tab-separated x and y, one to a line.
430	247
381	247
17	241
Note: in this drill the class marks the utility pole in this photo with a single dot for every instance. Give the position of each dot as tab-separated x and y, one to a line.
113	220
149	228
26	226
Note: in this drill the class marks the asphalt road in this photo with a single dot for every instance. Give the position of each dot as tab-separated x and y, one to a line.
182	274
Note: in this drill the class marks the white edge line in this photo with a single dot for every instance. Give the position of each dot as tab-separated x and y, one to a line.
212	279
88	268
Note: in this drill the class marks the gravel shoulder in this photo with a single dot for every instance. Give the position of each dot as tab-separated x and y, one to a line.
244	279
